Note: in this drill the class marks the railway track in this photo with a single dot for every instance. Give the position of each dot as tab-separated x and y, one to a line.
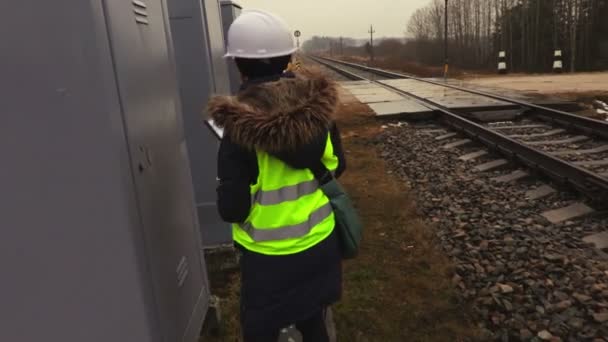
529	257
569	149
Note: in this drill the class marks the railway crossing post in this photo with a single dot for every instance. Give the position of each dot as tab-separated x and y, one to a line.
558	65
502	62
297	34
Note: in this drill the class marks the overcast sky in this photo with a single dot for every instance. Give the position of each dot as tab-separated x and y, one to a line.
349	18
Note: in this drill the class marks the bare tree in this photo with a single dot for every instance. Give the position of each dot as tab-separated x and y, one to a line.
573	17
528	30
419	24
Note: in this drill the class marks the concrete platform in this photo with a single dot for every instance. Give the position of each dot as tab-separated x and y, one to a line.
526	96
380	97
401	109
453	99
480	107
386	103
368	92
544	85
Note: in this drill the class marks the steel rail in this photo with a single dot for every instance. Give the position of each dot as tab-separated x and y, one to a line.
587	125
591	184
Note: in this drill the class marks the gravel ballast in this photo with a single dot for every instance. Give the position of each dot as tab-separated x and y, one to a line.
527	278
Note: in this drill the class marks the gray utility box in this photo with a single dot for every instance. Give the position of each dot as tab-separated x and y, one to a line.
199	49
230	11
100	239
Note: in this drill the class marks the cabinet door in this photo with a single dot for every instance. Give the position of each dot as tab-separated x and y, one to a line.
159	162
213	20
194	59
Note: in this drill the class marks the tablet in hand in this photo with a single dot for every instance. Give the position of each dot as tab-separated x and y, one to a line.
217	131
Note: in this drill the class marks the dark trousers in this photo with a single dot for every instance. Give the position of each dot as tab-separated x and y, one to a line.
312	330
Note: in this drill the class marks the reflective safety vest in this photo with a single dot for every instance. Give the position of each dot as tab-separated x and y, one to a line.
289	213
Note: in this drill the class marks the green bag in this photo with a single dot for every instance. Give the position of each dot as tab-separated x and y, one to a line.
348	223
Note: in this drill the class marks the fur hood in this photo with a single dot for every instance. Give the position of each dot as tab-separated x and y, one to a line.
278	116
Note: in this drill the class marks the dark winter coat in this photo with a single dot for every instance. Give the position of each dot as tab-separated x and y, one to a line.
288	117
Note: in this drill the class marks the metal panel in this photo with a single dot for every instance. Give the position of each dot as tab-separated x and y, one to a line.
213	22
196	83
230	11
193	329
146	79
76	263
70	252
182	8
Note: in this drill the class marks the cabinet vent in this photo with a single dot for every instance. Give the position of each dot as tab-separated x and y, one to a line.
141	12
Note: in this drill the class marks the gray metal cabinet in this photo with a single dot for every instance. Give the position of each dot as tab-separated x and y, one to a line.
230	11
100	232
213	21
199	49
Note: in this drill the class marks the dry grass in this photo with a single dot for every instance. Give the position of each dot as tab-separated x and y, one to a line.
399	288
397	64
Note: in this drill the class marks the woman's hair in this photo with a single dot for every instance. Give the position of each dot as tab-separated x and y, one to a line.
260	68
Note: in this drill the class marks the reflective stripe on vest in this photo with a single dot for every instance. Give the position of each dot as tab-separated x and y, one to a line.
289	213
290	232
288	193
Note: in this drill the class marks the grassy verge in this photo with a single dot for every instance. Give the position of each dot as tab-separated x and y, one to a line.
399	288
397	64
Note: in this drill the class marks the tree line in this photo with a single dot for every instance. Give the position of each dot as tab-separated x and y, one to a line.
529	31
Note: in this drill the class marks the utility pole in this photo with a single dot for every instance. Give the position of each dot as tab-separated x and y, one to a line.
445	37
341	46
371	42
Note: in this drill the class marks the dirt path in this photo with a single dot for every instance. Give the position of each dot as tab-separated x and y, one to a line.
590	90
587	83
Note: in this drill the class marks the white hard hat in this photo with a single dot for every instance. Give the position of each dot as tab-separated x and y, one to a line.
258	34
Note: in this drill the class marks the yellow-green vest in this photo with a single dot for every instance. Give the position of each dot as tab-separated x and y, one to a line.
289	213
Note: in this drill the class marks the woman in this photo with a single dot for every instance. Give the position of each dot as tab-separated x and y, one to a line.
279	138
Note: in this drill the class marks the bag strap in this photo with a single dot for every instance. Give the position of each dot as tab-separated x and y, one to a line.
322	173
